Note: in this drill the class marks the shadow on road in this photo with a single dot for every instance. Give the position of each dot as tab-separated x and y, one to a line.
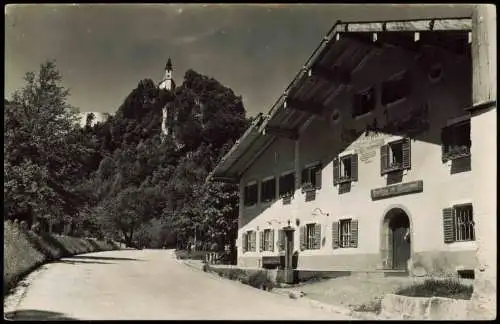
85	257
82	262
36	315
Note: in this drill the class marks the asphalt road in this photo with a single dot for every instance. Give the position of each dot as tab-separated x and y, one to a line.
148	285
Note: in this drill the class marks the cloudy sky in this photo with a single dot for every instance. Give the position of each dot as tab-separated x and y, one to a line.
103	51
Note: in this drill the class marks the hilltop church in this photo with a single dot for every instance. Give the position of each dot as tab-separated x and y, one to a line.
168	115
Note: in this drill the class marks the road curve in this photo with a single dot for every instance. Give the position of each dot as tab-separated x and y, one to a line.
149	285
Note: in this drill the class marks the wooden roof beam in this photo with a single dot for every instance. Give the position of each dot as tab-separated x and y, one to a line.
282	132
226	179
456	42
404	40
336	75
309	107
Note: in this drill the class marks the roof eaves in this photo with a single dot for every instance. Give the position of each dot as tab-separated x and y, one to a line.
253	126
431	24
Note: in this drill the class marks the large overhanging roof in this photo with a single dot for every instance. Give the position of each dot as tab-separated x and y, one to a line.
326	73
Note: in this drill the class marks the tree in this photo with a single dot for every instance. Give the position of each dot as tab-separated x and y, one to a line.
42	148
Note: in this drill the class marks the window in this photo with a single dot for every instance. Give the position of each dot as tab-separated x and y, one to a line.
287	185
465	224
311	177
458	224
364	102
281	240
251	194
267	240
396	88
345	233
310	237
395	156
268	192
456	141
345	169
248	239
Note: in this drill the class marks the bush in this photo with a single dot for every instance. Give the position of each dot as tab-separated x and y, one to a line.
450	288
236	274
260	280
185	255
375	306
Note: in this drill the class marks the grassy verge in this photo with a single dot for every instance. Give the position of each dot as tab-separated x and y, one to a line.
185	255
449	288
24	251
257	278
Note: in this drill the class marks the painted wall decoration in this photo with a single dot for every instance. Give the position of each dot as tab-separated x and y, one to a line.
411	122
365	145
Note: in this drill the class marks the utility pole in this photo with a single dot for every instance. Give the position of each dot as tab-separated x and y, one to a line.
484	159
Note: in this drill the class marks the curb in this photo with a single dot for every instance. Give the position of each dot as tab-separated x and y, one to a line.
13	299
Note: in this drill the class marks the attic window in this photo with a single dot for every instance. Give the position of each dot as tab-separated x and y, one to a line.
396	88
311	177
251	194
364	102
287	185
335	116
268	191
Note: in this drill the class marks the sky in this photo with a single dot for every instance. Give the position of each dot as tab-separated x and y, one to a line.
103	51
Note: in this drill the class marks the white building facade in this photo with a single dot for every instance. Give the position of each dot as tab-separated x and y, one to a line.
365	162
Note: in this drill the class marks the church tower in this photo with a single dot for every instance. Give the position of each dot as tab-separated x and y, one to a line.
167	83
168	115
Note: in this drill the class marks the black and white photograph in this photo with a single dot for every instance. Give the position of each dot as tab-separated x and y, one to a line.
258	161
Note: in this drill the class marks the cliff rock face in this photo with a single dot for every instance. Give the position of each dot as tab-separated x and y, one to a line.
201	110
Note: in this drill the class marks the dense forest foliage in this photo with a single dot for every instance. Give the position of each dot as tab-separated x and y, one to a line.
119	178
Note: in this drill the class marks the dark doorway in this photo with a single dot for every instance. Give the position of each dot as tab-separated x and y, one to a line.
396	243
289	249
290	258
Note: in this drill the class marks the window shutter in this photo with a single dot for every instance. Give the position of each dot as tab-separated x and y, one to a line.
384	159
448	225
354	167
335	235
354	233
252	241
317	236
317	174
336	171
271	241
445	134
304	177
302	239
281	240
244	244
261	241
406	153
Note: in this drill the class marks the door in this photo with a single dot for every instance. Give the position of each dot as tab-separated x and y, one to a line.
401	250
289	249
